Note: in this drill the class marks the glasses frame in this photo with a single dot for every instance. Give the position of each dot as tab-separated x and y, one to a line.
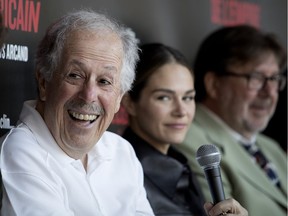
262	79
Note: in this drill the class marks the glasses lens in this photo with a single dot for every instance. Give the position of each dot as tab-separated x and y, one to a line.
282	83
255	81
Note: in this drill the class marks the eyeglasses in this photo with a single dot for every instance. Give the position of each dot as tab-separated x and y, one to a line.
256	81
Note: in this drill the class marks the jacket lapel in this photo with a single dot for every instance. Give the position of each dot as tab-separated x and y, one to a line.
234	153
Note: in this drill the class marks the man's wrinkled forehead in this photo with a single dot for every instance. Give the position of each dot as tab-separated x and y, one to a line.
106	45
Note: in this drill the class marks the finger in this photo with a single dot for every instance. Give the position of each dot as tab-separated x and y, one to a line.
224	207
229	207
207	207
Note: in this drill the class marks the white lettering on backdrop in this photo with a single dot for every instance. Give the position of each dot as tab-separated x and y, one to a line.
14	52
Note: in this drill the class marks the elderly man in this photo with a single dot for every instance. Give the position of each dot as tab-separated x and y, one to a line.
60	160
238	74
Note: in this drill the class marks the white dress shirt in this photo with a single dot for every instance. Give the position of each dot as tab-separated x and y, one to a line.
40	179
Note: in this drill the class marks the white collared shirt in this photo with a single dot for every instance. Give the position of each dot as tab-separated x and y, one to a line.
40	179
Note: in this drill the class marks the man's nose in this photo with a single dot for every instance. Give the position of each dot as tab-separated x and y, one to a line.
89	92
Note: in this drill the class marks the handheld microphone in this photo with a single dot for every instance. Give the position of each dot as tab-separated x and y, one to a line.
208	157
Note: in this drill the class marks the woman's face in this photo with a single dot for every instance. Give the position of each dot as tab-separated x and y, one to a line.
166	107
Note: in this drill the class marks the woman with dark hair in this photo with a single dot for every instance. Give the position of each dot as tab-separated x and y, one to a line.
161	107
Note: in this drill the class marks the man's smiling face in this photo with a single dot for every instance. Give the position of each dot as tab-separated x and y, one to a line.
80	100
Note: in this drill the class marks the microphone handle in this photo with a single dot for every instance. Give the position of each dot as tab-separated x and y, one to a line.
213	177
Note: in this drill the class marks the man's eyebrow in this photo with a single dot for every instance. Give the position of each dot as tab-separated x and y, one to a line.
110	70
110	67
275	73
76	62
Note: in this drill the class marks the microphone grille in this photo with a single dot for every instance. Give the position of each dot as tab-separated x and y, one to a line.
208	155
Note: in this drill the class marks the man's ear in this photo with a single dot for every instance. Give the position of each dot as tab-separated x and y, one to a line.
128	104
41	86
118	103
211	83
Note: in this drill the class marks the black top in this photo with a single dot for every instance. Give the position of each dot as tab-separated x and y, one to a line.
171	186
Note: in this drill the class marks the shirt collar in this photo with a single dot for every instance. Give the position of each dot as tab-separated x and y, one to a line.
238	137
34	121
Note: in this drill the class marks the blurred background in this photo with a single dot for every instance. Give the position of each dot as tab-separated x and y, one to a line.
182	24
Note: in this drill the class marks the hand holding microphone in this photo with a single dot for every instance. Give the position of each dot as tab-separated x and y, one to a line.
208	157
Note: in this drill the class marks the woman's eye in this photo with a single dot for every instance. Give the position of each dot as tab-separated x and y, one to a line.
163	98
189	98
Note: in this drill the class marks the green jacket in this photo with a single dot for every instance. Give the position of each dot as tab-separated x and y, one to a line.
242	179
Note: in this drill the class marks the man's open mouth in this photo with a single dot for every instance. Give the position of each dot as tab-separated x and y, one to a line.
83	117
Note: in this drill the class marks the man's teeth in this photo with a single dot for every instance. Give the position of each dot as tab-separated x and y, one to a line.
84	117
